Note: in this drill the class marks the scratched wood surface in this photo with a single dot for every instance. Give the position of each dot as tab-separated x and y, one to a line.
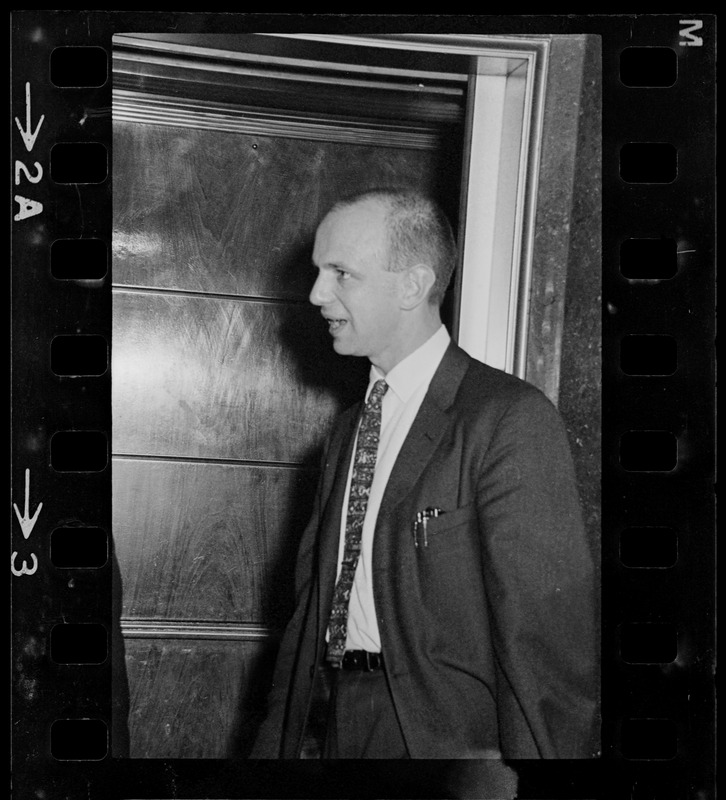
195	698
208	542
218	378
234	213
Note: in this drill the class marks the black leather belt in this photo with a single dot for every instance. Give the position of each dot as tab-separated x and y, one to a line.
362	660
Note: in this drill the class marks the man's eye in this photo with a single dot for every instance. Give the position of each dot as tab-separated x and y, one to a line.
343	275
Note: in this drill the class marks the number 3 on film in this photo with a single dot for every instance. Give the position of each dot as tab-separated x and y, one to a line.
27	523
687	34
28	207
24	570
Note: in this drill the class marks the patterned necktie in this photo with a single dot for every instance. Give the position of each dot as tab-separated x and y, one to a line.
364	463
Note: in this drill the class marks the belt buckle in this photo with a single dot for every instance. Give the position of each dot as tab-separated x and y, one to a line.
372	661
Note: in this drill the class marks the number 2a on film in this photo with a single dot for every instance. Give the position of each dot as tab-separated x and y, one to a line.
27	206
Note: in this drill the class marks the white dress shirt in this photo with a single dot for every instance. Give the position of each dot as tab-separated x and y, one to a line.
408	383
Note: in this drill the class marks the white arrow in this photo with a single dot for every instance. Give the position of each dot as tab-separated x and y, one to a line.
27	523
29	135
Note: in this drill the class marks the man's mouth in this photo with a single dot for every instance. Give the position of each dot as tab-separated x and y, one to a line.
335	324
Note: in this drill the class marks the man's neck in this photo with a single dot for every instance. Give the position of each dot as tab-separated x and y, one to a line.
416	336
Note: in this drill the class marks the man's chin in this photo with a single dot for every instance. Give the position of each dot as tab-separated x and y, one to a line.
343	348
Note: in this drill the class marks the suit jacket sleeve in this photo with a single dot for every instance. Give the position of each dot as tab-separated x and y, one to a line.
268	742
540	582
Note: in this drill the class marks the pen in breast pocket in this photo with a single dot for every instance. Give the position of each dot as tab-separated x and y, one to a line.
422	518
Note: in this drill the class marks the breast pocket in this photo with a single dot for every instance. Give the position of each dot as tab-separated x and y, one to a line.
448	530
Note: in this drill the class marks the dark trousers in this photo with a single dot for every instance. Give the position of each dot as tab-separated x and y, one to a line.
352	716
362	721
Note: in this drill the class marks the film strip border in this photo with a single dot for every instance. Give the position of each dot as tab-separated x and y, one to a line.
62	560
658	434
658	520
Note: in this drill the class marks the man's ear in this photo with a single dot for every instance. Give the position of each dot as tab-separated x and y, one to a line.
417	284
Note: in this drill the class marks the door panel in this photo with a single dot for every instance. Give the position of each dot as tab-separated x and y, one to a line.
236	214
191	698
208	541
219	378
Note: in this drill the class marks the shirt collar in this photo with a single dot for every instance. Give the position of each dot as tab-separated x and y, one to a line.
416	369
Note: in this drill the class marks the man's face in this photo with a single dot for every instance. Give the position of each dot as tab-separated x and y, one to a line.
357	296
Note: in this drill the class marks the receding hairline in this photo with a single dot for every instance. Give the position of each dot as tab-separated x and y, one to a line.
342	206
393	204
386	199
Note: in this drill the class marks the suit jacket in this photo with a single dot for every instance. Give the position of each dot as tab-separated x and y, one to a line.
488	631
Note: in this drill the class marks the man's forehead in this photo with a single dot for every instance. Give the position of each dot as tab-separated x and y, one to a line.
355	225
364	220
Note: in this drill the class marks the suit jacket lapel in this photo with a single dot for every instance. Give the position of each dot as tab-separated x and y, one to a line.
427	430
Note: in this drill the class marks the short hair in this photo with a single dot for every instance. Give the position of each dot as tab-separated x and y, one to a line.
418	232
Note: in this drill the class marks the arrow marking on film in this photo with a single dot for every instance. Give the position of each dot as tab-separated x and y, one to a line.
29	135
27	523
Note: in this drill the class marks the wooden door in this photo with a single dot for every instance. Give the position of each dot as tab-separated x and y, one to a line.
225	383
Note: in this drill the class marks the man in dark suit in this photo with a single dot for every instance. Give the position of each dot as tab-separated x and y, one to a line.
467	628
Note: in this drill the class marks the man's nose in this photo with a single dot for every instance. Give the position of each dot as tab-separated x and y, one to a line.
320	293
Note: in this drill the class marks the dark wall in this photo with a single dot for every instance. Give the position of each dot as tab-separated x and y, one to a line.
564	342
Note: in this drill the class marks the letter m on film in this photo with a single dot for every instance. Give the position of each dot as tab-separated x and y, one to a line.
688	39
